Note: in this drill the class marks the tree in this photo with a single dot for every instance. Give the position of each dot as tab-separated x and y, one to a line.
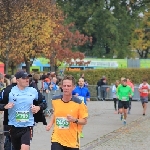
26	26
37	23
110	23
141	36
53	40
60	50
35	30
7	30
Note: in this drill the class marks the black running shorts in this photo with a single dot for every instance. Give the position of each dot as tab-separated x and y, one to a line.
19	136
123	104
57	146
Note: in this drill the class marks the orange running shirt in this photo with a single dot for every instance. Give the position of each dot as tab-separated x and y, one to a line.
65	133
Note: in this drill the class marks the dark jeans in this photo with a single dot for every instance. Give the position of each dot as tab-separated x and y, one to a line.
97	90
115	103
130	99
103	93
8	145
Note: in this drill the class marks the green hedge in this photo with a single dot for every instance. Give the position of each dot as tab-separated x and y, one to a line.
92	76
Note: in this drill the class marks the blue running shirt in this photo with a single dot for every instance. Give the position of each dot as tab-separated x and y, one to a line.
21	115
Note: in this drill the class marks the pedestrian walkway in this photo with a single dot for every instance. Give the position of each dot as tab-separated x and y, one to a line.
104	130
135	136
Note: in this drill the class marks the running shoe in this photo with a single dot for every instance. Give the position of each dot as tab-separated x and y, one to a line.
81	135
124	122
121	117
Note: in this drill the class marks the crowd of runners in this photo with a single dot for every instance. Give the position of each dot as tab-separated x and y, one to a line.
123	91
22	105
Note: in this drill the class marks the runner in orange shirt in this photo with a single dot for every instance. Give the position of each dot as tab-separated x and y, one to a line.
70	114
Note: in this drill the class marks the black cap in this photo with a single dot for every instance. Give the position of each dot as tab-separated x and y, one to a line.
48	73
29	75
21	74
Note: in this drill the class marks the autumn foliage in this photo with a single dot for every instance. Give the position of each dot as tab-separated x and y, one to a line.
35	28
141	37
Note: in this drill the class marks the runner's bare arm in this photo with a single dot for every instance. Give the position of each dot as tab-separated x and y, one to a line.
88	99
139	89
6	106
35	109
80	121
48	127
9	105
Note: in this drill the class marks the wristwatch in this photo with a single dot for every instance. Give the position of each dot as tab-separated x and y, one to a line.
76	121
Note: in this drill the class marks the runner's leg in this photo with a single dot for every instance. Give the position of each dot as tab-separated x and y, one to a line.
126	106
115	104
20	142
145	107
125	116
144	101
130	99
120	107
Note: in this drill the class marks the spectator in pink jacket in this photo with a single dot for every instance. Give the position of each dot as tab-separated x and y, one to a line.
129	83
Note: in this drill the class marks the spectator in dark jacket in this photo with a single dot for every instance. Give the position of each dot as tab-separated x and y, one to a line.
103	89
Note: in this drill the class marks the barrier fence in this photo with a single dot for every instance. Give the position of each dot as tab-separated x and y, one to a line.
94	91
48	98
96	94
109	94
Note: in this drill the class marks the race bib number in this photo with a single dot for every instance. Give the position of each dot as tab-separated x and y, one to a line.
62	123
81	98
22	116
124	98
145	91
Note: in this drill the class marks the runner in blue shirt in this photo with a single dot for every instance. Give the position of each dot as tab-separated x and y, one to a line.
19	110
82	93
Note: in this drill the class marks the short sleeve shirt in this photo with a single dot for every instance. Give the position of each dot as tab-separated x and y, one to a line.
144	89
21	115
67	133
